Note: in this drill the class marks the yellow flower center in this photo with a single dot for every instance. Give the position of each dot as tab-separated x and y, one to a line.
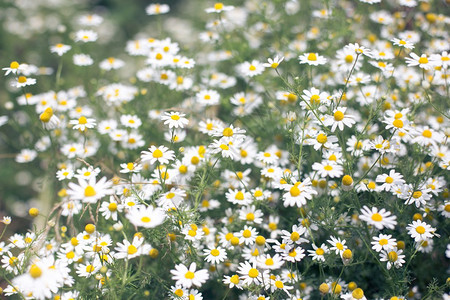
228	132
377	217
14	65
253	273
349	58
239	196
358	293
247	233
389	180
218	6
295	236
145	219
320	251
392	256
22	79
427	133
260	240
398	123
338	115
383	242
189	275
312	56
132	249
322	138
157	153
89	191
347	180
35	271
82	120
234	279
423	60
294	191
46	115
420	229
252	68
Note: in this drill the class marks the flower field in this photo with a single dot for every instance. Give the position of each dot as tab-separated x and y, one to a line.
279	149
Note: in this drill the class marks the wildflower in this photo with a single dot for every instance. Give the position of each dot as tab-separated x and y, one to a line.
86	36
218	8
298	192
273	63
82	60
339	119
110	209
157	9
250	274
88	269
147	217
189	277
356	294
130	121
207	97
240	197
358	49
89	191
313	59
83	123
111	63
250	69
251	214
26	155
421	61
247	235
318	253
90	20
418	196
23	81
420	231
48	119
127	250
389	180
13	68
393	257
337	244
161	155
232	281
403	43
378	218
60	49
174	119
328	168
383	242
313	98
215	255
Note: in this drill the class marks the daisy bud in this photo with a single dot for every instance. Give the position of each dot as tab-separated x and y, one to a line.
400	245
324	288
90	228
417	216
154	253
352	285
347	256
34	212
336	288
358	293
103	269
118	226
347	183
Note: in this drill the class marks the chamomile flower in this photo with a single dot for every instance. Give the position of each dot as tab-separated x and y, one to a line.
383	242
88	269
420	231
86	36
130	167
23	81
66	173
48	119
130	121
312	59
318	253
337	245
174	119
339	119
111	63
161	155
60	49
109	210
83	123
250	69
403	43
157	9
249	273
393	257
218	8
378	218
328	168
207	97
189	277
273	63
146	216
89	191
215	255
389	180
26	155
298	192
13	68
421	61
82	60
127	250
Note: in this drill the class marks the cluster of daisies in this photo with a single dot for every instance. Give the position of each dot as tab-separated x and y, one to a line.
223	175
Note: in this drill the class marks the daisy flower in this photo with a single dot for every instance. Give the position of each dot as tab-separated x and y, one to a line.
218	8
421	61
207	97
189	277
240	197
277	284
420	231
130	167
110	209
215	255
86	36
111	63
60	49
298	193
250	214
328	168
87	270
250	69
313	98
383	242
174	119
26	155
157	9
13	68
293	254
403	43
273	63
358	49
130	121
89	191
23	81
339	119
82	60
418	196
127	250
250	274
337	245
378	218
266	261
147	217
313	59
83	123
318	253
247	235
161	155
393	257
66	173
90	20
232	281
48	119
225	147
389	180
